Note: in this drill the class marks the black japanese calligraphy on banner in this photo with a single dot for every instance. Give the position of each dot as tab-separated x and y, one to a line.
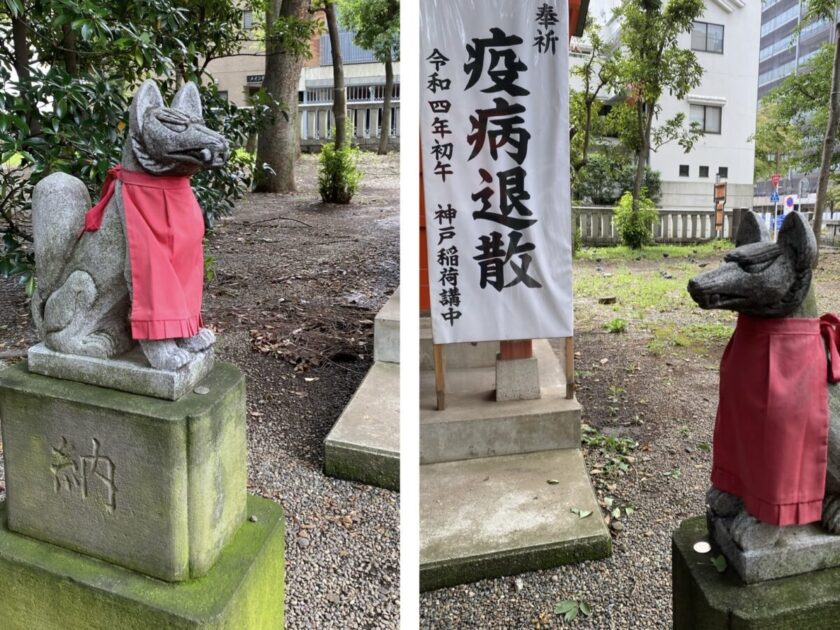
494	129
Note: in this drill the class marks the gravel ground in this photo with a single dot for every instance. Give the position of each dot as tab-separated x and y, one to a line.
655	386
297	286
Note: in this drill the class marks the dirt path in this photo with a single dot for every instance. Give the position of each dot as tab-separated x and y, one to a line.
654	385
297	286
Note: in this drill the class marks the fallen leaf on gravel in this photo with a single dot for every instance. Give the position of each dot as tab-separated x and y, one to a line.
256	414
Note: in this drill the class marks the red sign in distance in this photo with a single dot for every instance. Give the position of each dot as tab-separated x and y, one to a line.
775	179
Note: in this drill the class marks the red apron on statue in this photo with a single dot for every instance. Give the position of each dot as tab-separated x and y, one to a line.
771	431
164	229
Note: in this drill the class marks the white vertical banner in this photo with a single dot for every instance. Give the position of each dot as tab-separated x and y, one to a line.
494	134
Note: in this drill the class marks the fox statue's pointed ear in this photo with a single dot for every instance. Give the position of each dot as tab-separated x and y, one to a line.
188	100
147	97
797	239
751	230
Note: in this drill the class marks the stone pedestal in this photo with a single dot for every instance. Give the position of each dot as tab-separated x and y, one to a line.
51	588
125	511
129	372
517	379
152	485
800	549
705	599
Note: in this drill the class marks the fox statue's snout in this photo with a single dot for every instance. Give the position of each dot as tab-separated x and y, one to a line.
759	277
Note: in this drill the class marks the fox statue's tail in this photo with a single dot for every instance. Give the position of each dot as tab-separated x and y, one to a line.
59	204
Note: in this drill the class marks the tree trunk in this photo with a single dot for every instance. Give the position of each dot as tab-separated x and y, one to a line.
20	44
386	106
68	44
277	144
828	141
339	95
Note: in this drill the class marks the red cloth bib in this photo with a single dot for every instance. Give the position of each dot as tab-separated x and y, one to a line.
164	229
771	431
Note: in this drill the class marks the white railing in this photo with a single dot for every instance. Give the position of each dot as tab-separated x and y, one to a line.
673	226
316	123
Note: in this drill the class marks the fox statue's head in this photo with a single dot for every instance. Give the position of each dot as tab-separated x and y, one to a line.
172	140
759	277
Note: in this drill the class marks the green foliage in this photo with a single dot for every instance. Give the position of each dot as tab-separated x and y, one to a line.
569	609
635	228
616	325
338	173
64	106
608	175
650	62
375	25
794	116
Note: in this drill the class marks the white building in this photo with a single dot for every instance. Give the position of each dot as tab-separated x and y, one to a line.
725	40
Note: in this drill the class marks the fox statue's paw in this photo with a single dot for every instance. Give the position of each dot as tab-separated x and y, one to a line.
199	342
831	514
749	533
164	354
722	503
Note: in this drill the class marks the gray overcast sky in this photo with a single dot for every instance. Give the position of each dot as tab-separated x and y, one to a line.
599	7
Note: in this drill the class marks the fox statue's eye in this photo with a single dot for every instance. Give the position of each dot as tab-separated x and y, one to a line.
756	267
176	126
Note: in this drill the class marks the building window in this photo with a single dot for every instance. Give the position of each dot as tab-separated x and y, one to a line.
707	117
247	20
707	37
683	170
704	171
723	172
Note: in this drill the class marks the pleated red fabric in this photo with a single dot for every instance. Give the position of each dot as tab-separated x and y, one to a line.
771	432
164	228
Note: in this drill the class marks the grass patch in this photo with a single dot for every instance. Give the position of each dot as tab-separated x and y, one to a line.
622	252
637	290
698	337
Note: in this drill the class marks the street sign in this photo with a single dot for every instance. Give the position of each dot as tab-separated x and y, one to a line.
789	201
775	178
774	196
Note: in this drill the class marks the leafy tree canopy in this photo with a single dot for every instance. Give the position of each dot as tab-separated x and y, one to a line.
69	68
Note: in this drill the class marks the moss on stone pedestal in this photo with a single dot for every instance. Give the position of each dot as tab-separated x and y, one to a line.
50	588
705	599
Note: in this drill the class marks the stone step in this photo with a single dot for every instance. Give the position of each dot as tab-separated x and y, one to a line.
497	516
364	445
386	331
456	356
475	425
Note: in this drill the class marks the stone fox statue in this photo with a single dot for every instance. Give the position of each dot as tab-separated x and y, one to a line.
131	268
776	456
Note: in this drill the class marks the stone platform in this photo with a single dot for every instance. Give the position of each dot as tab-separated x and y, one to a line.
497	516
364	445
800	549
474	424
707	600
386	331
51	588
152	485
129	372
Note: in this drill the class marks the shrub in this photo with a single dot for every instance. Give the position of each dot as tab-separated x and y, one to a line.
635	228
607	176
616	325
339	174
